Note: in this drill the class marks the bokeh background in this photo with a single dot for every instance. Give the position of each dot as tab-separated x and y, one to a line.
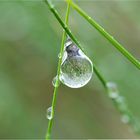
30	39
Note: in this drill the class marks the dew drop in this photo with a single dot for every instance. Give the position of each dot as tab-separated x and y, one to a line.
59	55
77	68
120	100
113	95
54	81
112	90
121	103
125	118
49	113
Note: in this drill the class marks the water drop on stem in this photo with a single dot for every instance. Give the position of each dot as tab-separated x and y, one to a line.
55	81
49	113
59	55
77	68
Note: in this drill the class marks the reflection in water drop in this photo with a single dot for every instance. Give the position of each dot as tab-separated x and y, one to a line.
49	113
77	68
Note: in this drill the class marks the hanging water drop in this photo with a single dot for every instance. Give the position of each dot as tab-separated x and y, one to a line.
49	113
55	81
76	68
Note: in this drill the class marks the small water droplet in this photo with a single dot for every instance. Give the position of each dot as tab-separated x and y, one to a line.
121	103
59	55
112	87
77	68
125	118
113	95
54	81
112	90
120	100
49	113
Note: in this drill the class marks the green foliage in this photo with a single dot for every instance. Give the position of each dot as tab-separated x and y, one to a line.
117	99
30	41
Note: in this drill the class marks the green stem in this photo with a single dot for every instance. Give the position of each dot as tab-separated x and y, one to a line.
114	42
48	134
65	27
99	75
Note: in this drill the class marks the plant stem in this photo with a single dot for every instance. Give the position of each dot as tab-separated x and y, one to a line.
110	38
65	27
99	75
48	134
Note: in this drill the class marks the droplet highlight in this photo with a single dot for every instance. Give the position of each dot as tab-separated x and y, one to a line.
49	113
76	68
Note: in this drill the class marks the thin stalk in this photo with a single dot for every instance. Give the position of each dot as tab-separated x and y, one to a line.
99	75
110	38
48	134
65	27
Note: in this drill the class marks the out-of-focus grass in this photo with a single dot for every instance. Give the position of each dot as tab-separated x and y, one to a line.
30	40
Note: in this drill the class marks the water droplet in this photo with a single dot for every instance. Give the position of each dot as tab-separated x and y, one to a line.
65	26
77	68
113	95
121	103
112	87
112	90
120	100
59	55
49	113
54	81
125	118
136	125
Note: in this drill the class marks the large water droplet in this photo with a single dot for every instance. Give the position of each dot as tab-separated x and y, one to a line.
77	68
54	81
49	113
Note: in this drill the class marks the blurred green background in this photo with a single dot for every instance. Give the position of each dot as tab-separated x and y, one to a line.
30	39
